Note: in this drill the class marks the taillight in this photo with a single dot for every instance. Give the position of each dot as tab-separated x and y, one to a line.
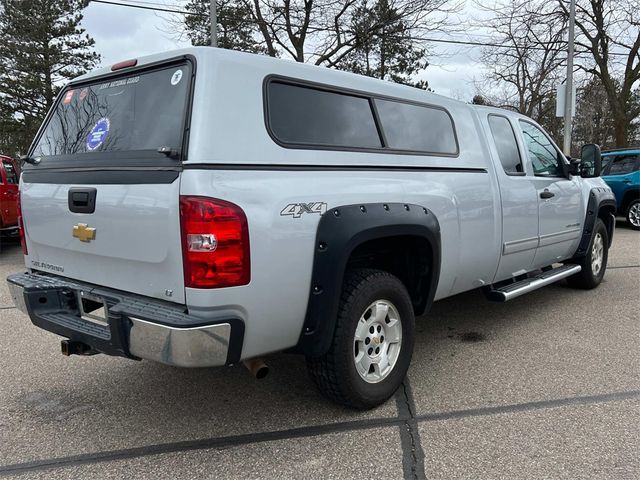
23	240
215	243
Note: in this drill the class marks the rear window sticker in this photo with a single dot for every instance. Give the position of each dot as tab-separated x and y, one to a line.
120	83
176	77
98	133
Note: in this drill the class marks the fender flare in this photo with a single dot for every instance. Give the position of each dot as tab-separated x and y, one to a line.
340	230
630	194
599	197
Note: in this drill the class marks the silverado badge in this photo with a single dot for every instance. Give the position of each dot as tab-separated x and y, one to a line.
84	232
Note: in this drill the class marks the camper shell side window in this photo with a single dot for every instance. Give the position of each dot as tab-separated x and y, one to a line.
300	114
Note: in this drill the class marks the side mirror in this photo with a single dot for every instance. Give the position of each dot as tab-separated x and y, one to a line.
590	161
574	166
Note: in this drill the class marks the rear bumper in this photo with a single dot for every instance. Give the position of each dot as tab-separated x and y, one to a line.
135	327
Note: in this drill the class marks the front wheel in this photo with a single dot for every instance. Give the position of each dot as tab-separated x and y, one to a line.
594	263
633	214
372	343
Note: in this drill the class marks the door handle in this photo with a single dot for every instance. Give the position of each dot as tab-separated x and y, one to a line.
626	180
547	194
82	200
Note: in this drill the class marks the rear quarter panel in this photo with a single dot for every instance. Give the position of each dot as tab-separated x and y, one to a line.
273	305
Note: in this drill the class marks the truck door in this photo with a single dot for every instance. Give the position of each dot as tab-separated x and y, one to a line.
560	212
8	193
519	201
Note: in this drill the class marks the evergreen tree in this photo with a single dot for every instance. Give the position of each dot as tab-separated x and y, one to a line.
594	122
236	28
42	47
9	134
384	47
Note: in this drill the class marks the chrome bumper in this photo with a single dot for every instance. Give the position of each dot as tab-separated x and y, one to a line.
182	347
132	330
17	295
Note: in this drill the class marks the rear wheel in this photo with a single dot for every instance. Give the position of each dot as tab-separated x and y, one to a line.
594	263
372	343
633	214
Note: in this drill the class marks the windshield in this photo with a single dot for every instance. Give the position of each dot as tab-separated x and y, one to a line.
140	111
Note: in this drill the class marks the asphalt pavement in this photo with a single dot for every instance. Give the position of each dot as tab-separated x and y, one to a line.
544	386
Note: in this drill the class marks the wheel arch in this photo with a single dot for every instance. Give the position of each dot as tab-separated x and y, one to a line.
630	195
601	204
349	235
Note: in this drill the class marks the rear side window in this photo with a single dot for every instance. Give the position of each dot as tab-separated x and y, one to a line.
416	127
10	172
135	112
309	116
623	164
506	144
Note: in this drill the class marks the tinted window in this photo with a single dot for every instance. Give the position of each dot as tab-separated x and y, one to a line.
310	116
141	111
418	128
543	155
505	140
623	164
10	172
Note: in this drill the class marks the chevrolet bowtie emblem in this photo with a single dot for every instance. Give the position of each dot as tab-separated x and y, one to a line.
83	232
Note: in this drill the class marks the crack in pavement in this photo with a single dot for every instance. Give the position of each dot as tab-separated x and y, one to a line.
412	452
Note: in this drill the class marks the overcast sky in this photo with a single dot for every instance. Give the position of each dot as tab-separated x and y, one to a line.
121	33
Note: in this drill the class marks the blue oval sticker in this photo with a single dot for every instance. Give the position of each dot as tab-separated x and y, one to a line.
97	134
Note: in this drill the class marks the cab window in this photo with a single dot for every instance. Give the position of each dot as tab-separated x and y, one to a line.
623	164
544	156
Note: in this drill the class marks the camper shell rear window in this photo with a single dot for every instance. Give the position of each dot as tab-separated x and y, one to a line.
128	115
300	114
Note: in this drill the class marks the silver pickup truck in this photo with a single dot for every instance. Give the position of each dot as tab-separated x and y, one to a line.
205	207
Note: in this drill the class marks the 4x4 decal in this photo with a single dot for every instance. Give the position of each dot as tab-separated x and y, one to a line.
297	209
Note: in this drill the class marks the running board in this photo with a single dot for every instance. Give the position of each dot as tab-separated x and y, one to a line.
513	290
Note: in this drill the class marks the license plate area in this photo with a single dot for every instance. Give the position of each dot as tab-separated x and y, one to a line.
92	308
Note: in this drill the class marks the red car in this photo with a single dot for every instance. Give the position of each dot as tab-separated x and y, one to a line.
9	179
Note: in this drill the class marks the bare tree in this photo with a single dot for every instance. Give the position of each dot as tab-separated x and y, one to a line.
593	122
323	32
236	28
610	31
525	56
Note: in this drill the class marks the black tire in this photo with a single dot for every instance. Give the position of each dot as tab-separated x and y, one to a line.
335	372
632	216
587	278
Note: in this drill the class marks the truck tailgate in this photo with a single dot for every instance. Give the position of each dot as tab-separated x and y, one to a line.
135	246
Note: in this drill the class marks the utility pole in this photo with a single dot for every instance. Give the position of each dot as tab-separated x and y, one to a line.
568	93
214	24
